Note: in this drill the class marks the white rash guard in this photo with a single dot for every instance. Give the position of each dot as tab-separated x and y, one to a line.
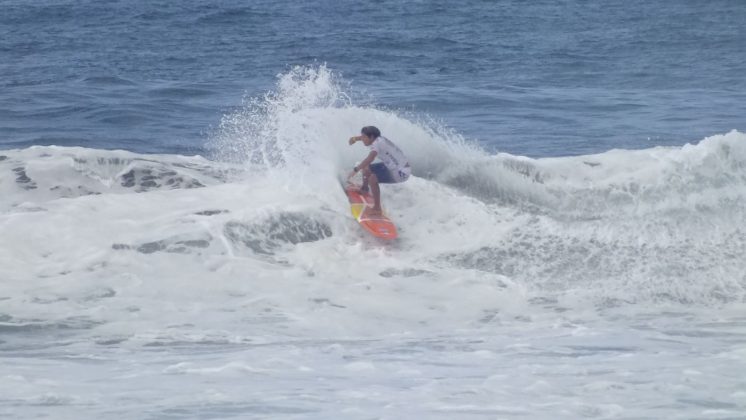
392	157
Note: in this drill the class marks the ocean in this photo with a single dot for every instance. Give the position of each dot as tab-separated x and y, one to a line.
174	241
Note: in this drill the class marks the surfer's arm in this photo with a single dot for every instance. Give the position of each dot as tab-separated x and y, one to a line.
367	161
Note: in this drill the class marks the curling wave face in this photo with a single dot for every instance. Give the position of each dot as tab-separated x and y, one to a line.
661	223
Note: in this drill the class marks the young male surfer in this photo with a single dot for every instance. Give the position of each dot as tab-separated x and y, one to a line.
393	168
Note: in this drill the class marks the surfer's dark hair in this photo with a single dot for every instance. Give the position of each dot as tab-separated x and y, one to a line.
371	132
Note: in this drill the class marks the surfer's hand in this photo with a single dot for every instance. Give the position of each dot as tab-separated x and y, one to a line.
353	140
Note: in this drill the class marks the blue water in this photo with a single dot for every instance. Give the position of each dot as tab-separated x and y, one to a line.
600	275
544	78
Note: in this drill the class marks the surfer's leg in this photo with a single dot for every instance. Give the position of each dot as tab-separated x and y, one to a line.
366	174
378	174
373	180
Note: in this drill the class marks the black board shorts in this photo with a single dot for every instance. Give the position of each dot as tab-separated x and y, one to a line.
385	176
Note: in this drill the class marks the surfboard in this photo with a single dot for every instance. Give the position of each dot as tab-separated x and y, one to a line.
378	225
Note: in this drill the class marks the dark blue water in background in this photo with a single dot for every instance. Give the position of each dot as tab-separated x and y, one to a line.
543	78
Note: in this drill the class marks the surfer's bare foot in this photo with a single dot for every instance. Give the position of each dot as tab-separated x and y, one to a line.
375	212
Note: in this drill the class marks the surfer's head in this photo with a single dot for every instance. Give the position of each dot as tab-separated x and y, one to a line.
370	134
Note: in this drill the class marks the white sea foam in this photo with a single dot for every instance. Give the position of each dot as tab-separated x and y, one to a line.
237	286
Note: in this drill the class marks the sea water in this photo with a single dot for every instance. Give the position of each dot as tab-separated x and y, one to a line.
174	242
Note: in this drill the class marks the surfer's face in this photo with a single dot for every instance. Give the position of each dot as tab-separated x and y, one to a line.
366	140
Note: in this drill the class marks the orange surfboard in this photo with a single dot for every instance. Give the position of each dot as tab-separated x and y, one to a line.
378	225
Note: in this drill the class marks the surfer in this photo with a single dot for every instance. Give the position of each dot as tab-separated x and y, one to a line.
393	168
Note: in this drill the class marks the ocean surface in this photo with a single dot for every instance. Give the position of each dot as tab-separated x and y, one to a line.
174	242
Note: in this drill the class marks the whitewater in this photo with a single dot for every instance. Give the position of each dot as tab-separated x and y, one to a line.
238	285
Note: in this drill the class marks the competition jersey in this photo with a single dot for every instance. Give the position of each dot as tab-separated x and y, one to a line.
390	155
